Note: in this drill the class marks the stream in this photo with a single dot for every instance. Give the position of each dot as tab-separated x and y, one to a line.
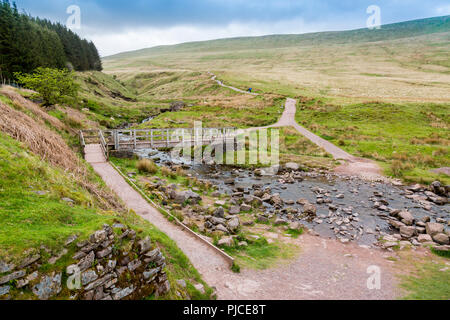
348	208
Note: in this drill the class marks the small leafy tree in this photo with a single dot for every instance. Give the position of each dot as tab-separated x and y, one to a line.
52	85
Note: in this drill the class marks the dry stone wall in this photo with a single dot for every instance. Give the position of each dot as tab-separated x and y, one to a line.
113	264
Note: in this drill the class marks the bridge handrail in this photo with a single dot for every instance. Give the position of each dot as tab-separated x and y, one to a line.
103	144
127	137
82	142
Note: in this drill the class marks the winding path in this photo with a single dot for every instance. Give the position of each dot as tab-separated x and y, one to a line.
354	166
324	269
364	168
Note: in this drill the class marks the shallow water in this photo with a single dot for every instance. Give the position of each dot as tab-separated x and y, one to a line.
357	194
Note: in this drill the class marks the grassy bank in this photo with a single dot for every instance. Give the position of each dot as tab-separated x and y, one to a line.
408	140
426	278
257	253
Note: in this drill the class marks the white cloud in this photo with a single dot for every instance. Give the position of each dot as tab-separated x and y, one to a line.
442	11
145	37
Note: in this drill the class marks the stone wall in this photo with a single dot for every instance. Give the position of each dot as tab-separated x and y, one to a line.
113	264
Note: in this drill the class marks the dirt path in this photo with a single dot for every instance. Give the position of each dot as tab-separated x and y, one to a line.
353	166
364	168
220	83
323	270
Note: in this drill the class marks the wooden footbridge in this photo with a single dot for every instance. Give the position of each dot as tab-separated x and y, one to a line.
129	140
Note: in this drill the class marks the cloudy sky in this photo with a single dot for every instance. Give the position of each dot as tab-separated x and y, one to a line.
117	25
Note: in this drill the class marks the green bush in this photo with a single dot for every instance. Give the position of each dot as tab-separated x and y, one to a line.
147	165
52	85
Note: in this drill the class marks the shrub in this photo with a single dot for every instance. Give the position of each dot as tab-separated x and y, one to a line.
52	85
167	172
148	166
398	167
440	152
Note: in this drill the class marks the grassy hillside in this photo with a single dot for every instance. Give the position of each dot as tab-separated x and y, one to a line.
407	61
387	32
408	140
391	86
47	193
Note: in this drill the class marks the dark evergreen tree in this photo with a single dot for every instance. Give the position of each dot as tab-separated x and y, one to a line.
27	43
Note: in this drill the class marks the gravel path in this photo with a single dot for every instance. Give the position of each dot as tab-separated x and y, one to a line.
220	83
288	119
353	166
325	269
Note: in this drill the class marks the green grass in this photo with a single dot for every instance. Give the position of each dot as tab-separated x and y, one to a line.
111	102
387	32
295	233
407	139
428	283
260	254
30	220
216	117
444	254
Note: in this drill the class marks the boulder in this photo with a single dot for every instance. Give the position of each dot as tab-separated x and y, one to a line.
88	277
424	238
406	217
415	188
295	226
234	224
219	212
396	224
302	201
437	188
292	166
48	287
262	219
144	245
434	228
310	209
235	210
200	288
12	276
227	242
407	232
221	228
441	238
279	221
182	283
276	200
4	290
6	267
183	196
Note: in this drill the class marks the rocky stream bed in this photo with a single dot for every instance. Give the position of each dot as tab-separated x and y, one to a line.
332	206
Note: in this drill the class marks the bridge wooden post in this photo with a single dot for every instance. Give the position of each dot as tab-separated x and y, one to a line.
151	138
116	140
168	138
183	137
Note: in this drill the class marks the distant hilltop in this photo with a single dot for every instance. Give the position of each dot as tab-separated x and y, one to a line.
386	32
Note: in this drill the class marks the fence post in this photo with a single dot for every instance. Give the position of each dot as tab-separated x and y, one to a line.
167	138
151	138
116	140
